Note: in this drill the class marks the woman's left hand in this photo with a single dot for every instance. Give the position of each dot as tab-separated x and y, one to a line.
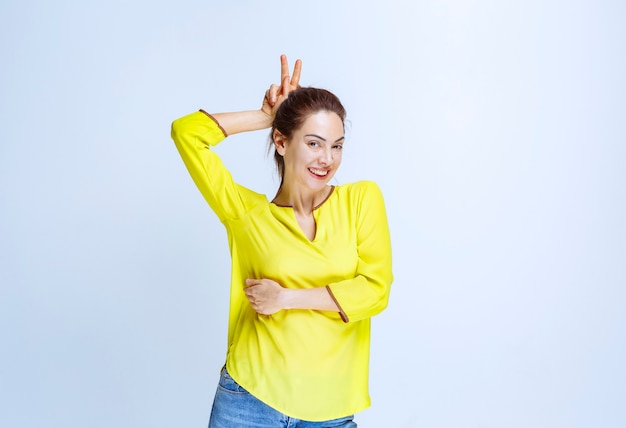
264	295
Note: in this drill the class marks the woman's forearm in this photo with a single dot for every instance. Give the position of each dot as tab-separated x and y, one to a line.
309	298
267	297
243	121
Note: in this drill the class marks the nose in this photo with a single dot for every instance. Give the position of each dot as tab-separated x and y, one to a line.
326	156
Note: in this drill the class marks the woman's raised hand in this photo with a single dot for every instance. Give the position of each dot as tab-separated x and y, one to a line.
276	94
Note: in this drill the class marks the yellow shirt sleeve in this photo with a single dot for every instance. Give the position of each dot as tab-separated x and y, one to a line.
194	135
367	294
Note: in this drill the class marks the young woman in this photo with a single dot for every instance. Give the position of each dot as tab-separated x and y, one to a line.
310	267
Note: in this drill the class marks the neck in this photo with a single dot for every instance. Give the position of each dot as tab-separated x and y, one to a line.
302	202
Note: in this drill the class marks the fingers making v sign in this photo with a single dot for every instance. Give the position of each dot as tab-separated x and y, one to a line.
276	94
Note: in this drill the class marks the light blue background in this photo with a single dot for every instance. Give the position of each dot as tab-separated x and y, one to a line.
496	130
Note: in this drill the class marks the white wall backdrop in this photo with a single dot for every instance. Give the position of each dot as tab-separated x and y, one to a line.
496	130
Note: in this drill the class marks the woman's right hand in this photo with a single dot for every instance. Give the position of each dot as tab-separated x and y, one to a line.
276	94
253	120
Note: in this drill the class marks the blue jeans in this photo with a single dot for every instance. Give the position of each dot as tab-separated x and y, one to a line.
234	407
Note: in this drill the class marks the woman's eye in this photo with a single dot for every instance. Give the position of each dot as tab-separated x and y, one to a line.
313	144
338	147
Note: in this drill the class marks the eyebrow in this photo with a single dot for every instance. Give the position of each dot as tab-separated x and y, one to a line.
324	139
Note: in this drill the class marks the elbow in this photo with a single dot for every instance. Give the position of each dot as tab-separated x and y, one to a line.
183	126
381	300
377	303
381	303
175	129
375	308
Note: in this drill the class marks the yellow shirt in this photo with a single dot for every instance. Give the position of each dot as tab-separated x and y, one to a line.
310	365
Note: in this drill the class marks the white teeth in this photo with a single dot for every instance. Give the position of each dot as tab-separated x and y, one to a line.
319	172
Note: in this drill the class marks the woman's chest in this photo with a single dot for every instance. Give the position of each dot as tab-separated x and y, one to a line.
272	244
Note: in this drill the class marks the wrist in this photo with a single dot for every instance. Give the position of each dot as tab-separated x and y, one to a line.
265	119
286	298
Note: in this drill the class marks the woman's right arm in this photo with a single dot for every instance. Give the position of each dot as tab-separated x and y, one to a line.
196	133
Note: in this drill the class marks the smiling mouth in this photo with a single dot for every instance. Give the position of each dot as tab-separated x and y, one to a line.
319	172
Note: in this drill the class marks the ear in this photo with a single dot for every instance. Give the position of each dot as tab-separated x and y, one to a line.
280	142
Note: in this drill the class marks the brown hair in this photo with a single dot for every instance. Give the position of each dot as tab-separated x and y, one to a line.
291	114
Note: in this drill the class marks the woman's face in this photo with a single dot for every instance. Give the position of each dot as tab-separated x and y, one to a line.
313	154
